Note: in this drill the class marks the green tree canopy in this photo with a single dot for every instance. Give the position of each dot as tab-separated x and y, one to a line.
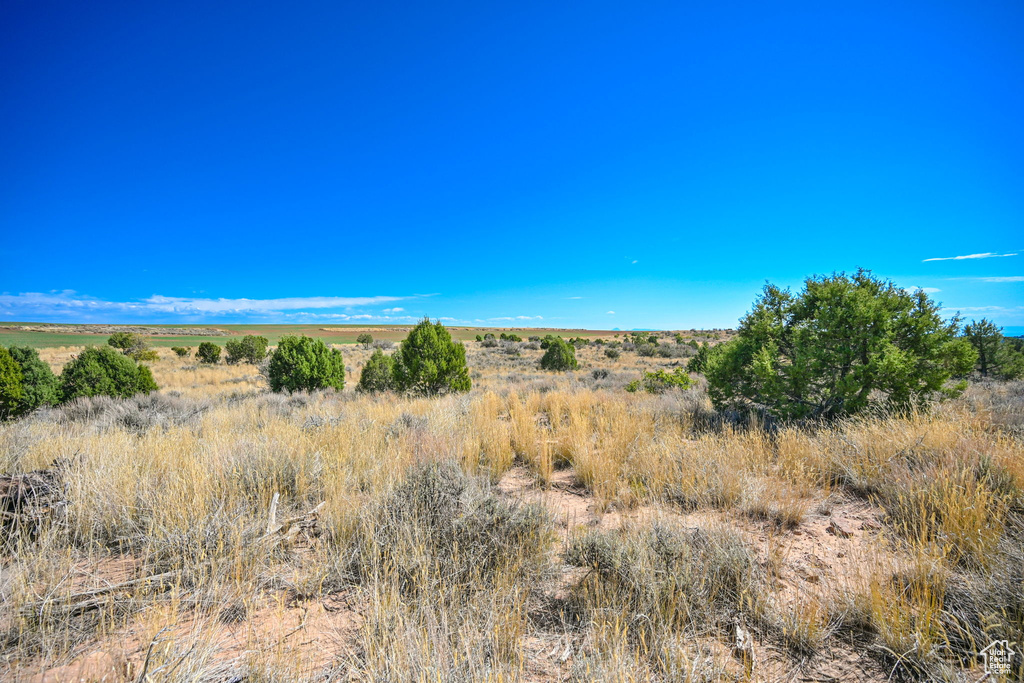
41	386
208	352
842	344
560	356
428	362
997	356
249	349
99	370
378	374
12	390
305	364
134	345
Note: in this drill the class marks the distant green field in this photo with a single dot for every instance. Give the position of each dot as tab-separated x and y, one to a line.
331	334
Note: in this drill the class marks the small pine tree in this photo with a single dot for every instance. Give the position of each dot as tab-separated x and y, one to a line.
249	349
378	374
699	362
208	353
41	386
305	364
986	338
428	362
560	356
12	390
182	351
365	339
99	370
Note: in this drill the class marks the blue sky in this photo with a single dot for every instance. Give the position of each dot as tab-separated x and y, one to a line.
550	164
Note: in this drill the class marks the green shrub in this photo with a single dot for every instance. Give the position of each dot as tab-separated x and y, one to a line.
123	341
365	339
428	362
378	374
699	362
99	370
488	336
249	349
612	353
305	364
660	381
479	338
546	341
41	386
208	353
134	345
843	344
512	337
534	338
12	389
646	350
182	351
560	356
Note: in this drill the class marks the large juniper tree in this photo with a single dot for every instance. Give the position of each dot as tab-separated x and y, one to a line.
842	344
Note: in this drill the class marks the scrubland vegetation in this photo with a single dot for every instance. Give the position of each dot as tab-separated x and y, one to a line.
517	523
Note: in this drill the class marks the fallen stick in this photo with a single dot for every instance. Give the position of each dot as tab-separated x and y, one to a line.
76	603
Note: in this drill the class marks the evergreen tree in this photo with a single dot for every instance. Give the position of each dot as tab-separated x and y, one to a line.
986	338
835	347
560	356
305	364
208	353
41	386
428	362
249	349
12	391
378	374
99	370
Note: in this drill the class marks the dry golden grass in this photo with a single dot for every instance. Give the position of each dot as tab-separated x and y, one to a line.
421	569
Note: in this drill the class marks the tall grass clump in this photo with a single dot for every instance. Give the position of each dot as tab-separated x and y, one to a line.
450	569
649	586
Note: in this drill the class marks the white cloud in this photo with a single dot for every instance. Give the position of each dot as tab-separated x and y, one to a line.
926	290
70	303
174	304
987	254
394	310
983	309
634	262
1008	278
573	297
508	318
609	312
